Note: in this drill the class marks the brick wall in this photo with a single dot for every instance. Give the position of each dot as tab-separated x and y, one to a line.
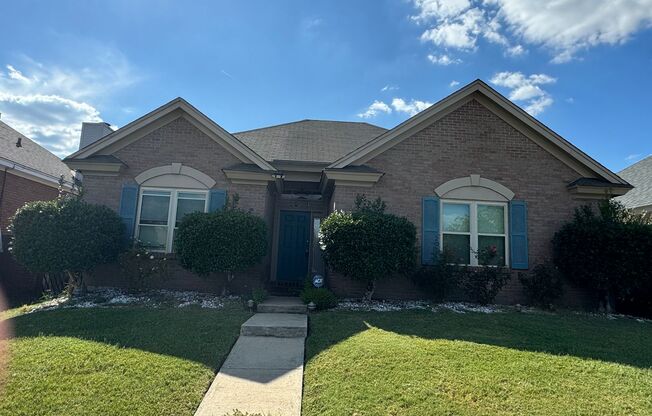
179	142
17	192
470	140
18	284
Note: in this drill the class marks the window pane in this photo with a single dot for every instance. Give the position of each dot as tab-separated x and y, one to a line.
491	219
153	237
154	209
459	247
491	250
186	206
456	217
192	195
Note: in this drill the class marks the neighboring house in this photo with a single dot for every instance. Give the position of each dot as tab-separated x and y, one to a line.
28	172
470	171
639	175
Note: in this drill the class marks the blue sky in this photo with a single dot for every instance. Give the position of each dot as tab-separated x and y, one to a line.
580	66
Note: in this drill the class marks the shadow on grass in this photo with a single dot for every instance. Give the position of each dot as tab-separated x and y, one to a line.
201	335
620	341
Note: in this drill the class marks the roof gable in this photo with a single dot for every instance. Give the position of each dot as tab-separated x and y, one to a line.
161	116
502	107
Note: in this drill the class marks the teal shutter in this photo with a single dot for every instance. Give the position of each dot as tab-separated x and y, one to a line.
217	200
128	204
518	234
430	229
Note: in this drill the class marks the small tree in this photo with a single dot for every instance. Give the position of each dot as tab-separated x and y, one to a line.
608	249
66	235
227	241
368	244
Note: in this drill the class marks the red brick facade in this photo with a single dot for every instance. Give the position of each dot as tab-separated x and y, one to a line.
179	142
469	141
15	191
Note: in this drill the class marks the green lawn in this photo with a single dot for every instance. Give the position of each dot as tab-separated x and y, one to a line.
425	363
116	361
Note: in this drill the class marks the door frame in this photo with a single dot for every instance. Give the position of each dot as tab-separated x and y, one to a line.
317	209
308	216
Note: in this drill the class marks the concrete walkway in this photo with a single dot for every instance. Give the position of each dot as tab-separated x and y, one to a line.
264	371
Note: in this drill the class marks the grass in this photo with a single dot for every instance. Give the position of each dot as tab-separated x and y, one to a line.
424	363
117	361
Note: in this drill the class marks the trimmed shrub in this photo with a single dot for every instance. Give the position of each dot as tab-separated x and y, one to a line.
608	250
368	244
440	279
229	241
322	297
66	235
543	285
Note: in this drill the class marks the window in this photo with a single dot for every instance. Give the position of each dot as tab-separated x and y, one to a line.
161	210
469	228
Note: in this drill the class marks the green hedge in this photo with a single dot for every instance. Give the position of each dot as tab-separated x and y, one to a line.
368	244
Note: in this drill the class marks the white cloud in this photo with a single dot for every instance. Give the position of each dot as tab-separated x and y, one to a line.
410	108
429	9
399	105
48	103
564	27
374	109
454	84
443	59
460	32
634	157
389	88
526	89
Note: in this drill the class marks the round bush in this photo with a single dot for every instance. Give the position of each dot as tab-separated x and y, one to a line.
368	244
223	241
66	235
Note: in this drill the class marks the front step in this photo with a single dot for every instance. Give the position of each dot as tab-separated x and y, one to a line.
282	304
280	325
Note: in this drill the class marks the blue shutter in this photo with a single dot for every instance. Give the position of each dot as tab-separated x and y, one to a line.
217	201
128	204
430	229
518	234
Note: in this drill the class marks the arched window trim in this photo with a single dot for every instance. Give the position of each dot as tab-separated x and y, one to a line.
175	169
474	183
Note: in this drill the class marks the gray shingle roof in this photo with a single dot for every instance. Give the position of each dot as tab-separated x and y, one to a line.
639	175
309	140
30	155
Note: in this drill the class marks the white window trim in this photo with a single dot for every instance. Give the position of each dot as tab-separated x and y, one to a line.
172	212
473	226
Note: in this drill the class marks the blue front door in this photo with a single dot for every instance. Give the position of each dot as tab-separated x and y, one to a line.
293	244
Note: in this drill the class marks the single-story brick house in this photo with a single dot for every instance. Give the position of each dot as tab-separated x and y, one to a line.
28	172
471	170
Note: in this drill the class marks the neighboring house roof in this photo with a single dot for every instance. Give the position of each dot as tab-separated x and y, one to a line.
309	140
639	175
494	101
30	158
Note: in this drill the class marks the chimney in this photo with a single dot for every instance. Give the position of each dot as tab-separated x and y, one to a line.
92	132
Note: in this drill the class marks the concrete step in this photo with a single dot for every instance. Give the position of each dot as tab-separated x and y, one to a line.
282	304
280	325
